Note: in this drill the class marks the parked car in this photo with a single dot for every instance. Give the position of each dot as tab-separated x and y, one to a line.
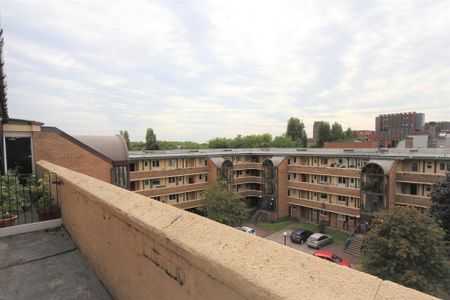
300	236
330	256
318	240
248	229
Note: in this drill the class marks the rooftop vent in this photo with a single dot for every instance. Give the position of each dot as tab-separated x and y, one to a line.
302	149
193	151
349	150
227	150
413	150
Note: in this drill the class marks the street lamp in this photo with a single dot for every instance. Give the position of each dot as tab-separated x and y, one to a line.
285	236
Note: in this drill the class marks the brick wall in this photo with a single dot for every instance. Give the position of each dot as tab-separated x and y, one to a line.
60	150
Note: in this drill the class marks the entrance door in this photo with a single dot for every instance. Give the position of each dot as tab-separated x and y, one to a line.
18	154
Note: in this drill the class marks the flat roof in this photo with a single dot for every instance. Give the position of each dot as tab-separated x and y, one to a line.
391	153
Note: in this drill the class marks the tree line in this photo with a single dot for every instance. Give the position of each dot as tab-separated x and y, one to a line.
294	137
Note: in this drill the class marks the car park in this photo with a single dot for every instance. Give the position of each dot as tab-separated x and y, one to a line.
330	256
319	240
300	236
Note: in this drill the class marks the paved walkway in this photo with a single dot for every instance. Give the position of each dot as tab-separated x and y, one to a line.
46	265
337	249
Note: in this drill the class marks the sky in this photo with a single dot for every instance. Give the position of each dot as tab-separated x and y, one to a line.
194	70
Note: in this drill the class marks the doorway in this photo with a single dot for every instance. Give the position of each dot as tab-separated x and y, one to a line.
18	154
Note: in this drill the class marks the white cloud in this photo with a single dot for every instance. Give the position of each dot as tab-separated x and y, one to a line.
196	70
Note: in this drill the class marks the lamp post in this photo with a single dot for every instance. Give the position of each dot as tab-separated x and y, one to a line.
285	236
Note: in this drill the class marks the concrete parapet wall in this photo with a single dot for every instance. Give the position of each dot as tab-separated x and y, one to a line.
144	249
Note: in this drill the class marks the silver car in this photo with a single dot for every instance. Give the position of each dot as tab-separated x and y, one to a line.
318	240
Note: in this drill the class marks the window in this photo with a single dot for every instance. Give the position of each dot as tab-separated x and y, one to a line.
323	213
295	160
289	176
172	179
172	162
206	177
342	180
289	193
156	182
429	164
146	163
132	167
428	188
324	161
155	163
341	198
206	162
323	179
324	196
289	161
200	177
173	197
352	219
414	167
157	198
314	210
341	217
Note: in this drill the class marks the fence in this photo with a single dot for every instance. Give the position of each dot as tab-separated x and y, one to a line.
28	198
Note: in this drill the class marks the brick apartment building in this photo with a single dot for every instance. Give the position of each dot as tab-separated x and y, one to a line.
392	128
343	187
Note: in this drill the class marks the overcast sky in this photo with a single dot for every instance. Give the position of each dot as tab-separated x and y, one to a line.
193	70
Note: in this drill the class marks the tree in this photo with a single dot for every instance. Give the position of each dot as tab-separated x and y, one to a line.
296	131
324	133
349	134
126	137
337	134
407	247
222	205
150	140
283	141
440	207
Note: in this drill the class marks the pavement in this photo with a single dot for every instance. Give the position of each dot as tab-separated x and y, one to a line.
46	265
278	237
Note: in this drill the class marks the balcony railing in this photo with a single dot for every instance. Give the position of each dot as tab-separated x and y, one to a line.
27	199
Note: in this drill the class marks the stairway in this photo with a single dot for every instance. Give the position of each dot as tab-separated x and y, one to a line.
355	246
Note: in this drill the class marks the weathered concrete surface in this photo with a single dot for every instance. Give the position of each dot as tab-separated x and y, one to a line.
22	248
46	265
144	249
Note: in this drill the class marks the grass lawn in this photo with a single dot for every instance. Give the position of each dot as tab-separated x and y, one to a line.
338	236
276	225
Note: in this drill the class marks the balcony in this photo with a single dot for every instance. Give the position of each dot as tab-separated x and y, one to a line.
144	249
344	172
412	200
339	209
140	175
247	165
323	188
247	179
416	177
173	189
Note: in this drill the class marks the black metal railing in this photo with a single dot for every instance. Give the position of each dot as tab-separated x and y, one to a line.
28	198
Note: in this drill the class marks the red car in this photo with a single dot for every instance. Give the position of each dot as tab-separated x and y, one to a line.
330	256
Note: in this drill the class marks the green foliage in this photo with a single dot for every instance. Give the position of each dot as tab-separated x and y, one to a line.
296	131
220	143
126	137
407	247
283	141
150	140
173	145
324	133
322	226
11	194
349	134
136	146
440	207
222	205
337	134
249	141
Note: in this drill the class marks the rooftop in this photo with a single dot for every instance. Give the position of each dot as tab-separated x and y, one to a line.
46	265
388	153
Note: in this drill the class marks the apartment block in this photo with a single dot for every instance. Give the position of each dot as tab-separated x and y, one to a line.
343	187
392	128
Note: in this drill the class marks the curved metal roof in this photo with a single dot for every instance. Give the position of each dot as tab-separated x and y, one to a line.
113	147
386	165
